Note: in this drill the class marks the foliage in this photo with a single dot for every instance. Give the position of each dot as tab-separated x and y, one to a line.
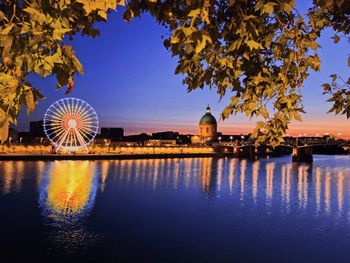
335	14
33	37
258	52
339	90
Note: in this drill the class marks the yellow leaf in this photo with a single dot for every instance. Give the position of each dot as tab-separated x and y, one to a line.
4	131
268	8
202	43
194	13
29	100
2	117
314	45
254	45
287	7
297	116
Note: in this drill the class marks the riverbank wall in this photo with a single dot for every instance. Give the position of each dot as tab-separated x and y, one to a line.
41	152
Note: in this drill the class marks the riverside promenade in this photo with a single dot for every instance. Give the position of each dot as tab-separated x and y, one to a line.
41	152
103	156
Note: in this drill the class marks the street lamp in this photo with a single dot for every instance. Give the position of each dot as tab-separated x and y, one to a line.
20	140
41	145
231	138
220	140
105	141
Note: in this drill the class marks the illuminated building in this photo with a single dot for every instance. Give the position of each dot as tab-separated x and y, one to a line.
207	128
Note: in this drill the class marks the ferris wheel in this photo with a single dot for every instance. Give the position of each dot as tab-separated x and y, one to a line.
70	124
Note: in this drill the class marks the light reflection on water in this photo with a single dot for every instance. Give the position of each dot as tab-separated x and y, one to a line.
68	188
67	191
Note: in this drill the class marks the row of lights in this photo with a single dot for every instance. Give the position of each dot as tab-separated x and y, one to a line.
20	140
317	134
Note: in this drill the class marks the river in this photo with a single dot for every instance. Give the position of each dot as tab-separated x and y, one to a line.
176	210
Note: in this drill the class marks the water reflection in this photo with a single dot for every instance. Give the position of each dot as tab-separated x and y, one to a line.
286	184
12	176
270	168
340	189
108	207
67	195
68	189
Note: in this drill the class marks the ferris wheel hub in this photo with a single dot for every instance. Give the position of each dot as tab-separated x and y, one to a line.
72	123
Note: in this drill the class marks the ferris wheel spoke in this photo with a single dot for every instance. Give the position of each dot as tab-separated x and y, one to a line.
75	139
85	134
51	132
84	114
81	108
66	107
89	137
80	138
69	106
56	111
55	128
62	139
89	126
75	107
55	117
87	110
57	135
59	111
53	122
86	129
70	123
90	122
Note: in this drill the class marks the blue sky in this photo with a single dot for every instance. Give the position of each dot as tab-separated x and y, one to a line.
129	79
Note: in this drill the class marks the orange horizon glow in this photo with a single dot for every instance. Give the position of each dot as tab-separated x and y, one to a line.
307	128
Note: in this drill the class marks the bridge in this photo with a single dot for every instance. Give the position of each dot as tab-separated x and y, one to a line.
302	152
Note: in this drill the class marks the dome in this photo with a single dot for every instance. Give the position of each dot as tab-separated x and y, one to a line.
208	118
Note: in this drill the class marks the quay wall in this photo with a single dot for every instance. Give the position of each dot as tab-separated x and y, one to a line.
43	152
124	150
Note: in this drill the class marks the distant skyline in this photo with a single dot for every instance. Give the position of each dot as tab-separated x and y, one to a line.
129	80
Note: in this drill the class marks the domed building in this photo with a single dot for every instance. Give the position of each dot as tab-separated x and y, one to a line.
207	127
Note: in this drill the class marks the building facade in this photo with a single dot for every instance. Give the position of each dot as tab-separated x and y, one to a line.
207	127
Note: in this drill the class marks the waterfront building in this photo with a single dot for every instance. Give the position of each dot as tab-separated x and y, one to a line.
36	129
167	135
157	142
13	135
114	134
207	129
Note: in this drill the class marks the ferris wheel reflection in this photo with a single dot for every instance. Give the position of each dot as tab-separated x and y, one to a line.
68	190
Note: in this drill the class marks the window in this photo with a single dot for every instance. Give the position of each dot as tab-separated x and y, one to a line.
207	129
